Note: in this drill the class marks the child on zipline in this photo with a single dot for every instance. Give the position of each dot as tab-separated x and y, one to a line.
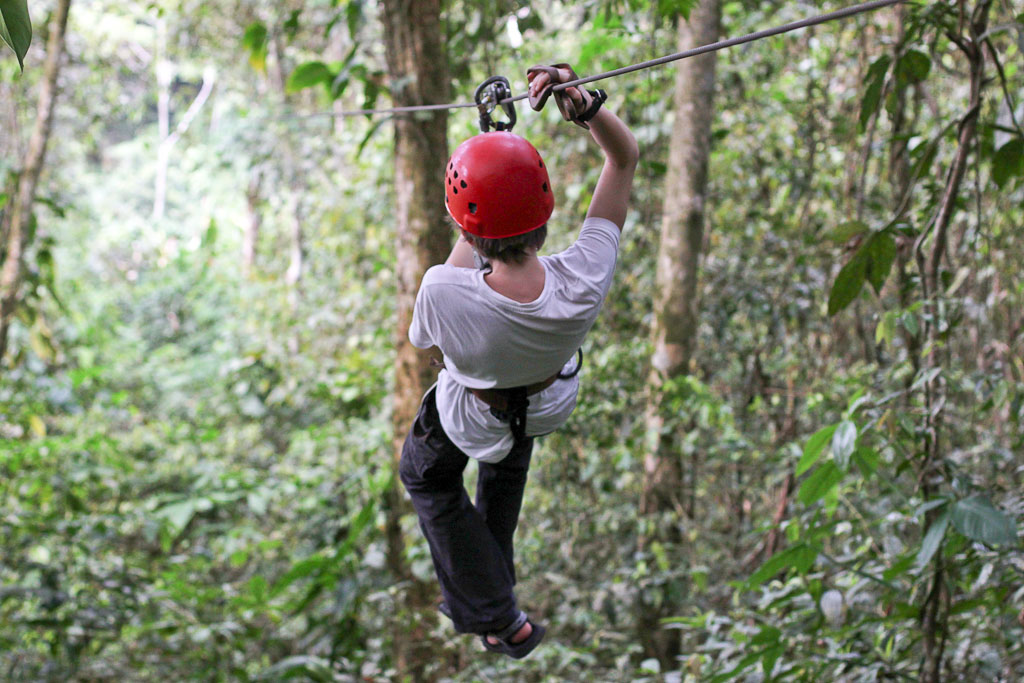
509	331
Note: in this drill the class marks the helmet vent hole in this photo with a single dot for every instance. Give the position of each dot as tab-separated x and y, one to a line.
464	186
472	207
545	187
540	163
455	189
456	174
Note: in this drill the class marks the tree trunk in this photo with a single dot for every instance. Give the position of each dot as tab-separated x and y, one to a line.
251	237
675	327
21	209
417	69
935	611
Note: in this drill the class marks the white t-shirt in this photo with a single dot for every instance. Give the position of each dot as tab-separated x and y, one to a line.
491	341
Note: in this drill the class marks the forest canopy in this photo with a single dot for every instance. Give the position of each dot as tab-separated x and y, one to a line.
797	453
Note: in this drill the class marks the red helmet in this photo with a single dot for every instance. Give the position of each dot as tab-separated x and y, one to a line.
496	186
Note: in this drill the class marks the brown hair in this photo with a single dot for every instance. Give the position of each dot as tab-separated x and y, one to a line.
509	249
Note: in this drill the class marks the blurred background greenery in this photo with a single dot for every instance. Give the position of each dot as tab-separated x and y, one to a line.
196	394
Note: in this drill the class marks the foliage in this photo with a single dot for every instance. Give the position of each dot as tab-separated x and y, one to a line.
193	448
16	27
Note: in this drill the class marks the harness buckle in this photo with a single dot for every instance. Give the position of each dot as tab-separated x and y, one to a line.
488	96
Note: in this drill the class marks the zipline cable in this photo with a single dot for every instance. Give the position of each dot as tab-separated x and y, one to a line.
704	49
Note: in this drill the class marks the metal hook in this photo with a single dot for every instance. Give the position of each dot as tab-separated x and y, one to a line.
488	96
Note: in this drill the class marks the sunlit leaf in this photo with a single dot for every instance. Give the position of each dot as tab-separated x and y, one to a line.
843	442
307	75
178	515
819	483
812	450
844	231
37	426
255	41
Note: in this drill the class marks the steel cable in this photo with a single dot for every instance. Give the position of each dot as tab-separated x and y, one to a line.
704	49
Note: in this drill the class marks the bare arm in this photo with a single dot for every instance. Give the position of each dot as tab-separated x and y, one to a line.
611	196
462	254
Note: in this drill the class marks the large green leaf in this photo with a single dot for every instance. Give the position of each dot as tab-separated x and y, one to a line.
978	520
932	539
16	27
799	557
255	41
844	231
881	253
913	67
848	282
815	445
821	481
873	93
1008	161
307	75
843	442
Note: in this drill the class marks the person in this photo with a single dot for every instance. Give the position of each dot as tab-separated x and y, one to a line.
509	324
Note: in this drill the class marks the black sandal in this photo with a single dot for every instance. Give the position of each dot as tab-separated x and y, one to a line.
515	650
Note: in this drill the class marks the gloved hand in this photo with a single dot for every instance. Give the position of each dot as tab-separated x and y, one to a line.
576	104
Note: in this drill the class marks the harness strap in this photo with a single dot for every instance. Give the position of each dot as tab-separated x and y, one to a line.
510	405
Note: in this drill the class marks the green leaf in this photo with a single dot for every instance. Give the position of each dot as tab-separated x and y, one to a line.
799	557
844	231
843	442
867	460
932	540
875	79
16	27
913	67
821	481
354	17
886	328
812	450
1008	161
978	520
255	41
178	515
307	75
848	282
300	570
881	253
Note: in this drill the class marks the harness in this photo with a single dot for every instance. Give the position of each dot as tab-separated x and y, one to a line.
510	404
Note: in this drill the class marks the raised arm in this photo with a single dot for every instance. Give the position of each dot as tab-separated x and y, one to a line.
621	154
611	196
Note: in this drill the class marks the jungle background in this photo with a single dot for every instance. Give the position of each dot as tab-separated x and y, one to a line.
798	452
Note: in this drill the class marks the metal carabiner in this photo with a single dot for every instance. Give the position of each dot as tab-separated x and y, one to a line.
488	96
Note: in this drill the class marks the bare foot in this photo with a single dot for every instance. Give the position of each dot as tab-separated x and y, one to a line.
520	635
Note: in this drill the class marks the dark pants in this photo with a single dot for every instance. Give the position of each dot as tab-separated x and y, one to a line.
471	545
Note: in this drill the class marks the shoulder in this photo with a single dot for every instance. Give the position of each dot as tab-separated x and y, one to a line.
600	228
444	274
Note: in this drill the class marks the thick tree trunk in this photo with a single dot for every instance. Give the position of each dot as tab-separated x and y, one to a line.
675	328
21	209
417	69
